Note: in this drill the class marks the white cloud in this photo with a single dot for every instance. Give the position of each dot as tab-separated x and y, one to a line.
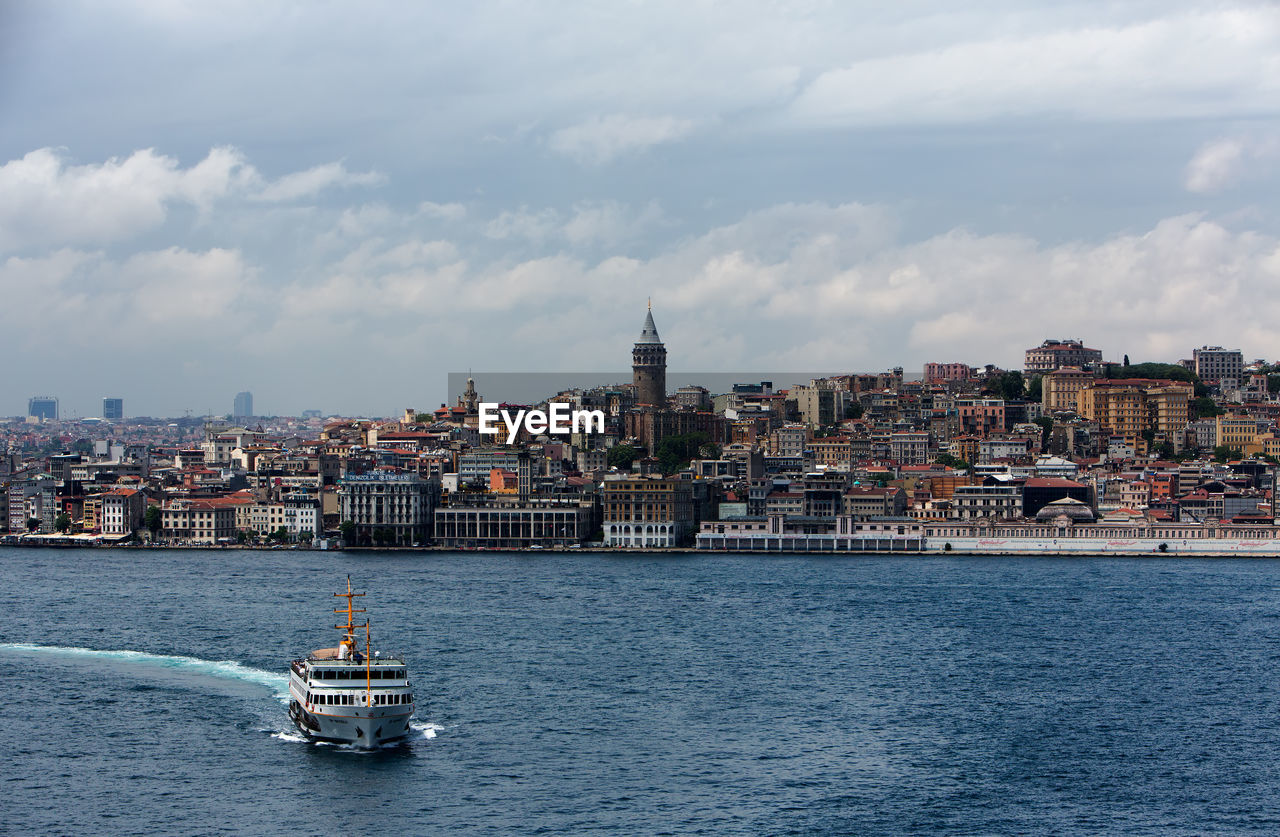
1225	161
442	211
147	296
306	184
604	138
818	286
523	223
50	202
1198	64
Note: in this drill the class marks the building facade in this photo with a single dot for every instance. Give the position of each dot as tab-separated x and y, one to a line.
388	507
1060	389
647	512
1216	365
1055	354
242	406
1128	407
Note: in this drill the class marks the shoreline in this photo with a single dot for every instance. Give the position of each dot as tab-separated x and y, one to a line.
1038	549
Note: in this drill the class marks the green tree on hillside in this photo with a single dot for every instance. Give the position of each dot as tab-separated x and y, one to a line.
621	457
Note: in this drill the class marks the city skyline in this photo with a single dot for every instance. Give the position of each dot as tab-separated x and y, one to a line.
846	187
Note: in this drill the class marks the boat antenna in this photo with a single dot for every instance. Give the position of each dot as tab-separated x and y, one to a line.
349	629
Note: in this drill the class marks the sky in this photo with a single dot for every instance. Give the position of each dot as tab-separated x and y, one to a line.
333	205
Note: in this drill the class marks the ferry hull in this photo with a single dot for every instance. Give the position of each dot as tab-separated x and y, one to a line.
357	726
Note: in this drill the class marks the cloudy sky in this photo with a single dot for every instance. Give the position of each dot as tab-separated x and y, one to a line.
335	204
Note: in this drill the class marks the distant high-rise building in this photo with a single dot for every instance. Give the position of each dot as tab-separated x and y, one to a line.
43	407
1216	365
243	405
649	365
113	408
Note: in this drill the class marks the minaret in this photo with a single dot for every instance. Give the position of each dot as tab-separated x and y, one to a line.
649	365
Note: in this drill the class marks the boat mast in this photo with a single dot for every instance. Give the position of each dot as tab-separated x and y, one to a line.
368	662
349	629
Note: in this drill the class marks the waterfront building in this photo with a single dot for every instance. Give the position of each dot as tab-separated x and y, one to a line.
996	500
297	514
865	502
842	533
198	521
121	511
1055	354
544	522
647	512
388	507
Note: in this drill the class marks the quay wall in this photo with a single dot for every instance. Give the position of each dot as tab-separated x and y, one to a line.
1205	547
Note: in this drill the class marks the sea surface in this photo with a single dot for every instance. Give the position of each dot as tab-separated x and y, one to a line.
565	693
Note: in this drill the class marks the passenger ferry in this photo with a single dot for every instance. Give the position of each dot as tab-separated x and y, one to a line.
349	695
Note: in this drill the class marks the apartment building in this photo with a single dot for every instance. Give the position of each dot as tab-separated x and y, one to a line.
647	512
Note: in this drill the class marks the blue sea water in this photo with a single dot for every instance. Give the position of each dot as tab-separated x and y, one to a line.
665	694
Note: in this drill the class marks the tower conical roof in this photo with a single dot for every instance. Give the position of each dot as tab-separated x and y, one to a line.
650	332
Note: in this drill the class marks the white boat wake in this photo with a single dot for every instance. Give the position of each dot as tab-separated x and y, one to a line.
427	730
278	684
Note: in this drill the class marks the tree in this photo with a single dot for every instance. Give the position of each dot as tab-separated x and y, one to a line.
1008	385
33	523
621	457
62	522
853	410
1126	360
1165	450
1205	407
1035	389
1157	371
946	460
154	519
348	529
281	534
423	418
674	452
1223	453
